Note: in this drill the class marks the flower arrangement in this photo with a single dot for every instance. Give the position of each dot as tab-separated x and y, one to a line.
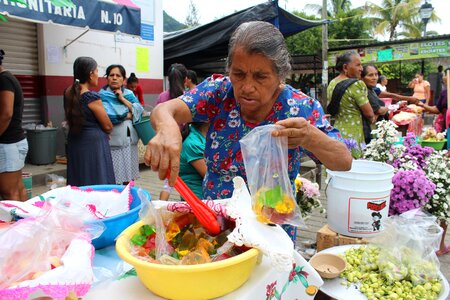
379	148
307	196
411	156
438	171
412	189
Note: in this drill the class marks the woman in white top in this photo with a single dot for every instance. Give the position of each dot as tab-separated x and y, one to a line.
382	83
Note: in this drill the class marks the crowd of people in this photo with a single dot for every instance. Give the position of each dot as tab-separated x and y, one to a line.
355	98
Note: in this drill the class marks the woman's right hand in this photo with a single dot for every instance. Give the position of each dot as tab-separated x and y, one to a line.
163	152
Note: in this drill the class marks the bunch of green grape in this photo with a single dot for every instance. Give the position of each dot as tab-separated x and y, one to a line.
382	275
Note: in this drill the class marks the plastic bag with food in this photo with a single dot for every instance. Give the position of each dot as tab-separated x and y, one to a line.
408	247
266	165
50	255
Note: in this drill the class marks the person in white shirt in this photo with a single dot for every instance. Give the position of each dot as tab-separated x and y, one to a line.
382	82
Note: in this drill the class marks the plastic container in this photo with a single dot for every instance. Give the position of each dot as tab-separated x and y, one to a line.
144	130
115	225
436	145
358	200
204	281
328	265
27	179
42	146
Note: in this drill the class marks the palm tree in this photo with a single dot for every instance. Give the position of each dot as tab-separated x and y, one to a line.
337	8
414	29
388	17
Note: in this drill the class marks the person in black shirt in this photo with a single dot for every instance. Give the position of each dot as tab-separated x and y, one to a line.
13	144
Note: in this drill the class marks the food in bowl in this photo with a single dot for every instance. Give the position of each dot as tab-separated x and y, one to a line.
201	281
184	241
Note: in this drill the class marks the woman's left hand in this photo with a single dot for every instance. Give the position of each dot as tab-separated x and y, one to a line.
297	130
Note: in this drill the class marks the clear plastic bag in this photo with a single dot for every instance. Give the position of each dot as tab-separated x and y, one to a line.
53	181
266	164
33	247
408	247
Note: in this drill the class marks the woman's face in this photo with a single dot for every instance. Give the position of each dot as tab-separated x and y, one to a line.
384	82
419	77
371	77
354	68
115	79
255	83
132	86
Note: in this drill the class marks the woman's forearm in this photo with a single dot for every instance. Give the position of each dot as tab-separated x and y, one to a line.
332	153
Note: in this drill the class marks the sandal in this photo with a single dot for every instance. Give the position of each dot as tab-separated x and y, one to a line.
444	251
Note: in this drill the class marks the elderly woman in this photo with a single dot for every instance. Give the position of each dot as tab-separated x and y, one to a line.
123	109
348	97
253	95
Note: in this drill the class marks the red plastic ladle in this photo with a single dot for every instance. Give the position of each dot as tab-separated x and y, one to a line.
206	216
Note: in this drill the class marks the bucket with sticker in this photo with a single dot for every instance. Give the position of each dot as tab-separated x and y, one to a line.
358	200
27	179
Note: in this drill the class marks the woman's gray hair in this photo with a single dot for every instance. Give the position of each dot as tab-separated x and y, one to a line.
344	59
381	78
258	37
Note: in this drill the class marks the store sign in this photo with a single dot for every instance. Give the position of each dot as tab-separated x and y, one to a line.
91	13
407	51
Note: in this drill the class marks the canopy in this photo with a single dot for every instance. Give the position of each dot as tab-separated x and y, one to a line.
209	43
94	14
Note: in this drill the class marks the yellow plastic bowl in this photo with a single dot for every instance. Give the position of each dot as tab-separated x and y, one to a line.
203	281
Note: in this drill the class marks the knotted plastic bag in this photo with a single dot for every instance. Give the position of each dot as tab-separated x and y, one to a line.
266	164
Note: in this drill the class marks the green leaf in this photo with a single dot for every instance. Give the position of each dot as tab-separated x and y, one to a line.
303	281
3	18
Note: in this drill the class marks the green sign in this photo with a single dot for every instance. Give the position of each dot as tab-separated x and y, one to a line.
406	51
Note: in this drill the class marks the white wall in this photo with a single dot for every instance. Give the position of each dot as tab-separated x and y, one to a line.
105	47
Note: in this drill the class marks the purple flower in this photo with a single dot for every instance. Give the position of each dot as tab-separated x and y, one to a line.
351	144
412	189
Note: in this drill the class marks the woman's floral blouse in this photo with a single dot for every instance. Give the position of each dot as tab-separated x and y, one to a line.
213	101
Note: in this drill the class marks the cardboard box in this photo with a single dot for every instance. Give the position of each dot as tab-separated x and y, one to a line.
327	238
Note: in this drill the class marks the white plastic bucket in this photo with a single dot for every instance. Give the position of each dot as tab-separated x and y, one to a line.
358	200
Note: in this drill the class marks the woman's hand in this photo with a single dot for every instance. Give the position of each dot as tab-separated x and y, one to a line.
332	153
119	94
163	152
297	130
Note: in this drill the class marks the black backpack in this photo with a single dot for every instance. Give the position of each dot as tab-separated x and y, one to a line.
338	92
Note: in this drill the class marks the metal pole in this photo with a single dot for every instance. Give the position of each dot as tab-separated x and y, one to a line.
425	28
324	54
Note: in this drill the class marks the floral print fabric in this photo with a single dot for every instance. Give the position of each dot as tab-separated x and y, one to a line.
213	101
349	118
